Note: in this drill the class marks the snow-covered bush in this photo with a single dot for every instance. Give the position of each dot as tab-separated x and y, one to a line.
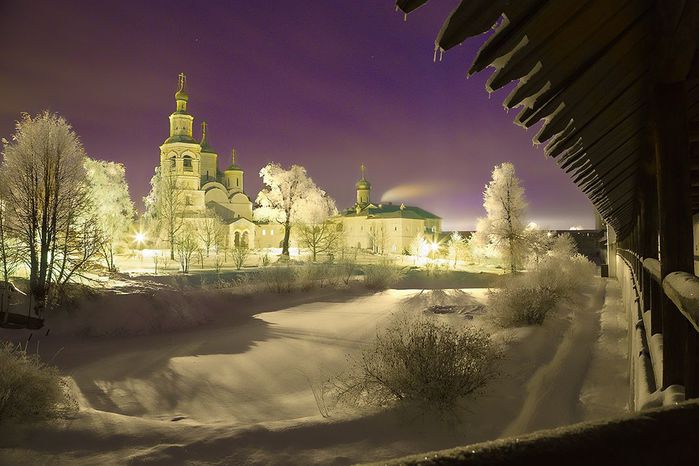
517	304
29	388
420	360
383	275
529	298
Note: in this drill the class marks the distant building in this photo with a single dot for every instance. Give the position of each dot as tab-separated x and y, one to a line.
386	228
206	189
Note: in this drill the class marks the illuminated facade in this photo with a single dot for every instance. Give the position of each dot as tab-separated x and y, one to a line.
207	190
386	228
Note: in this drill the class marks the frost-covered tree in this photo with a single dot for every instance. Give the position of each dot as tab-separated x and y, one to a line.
289	197
43	182
317	232
10	253
114	209
505	206
164	205
539	242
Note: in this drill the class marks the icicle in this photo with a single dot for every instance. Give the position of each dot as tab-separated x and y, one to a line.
405	17
507	110
441	53
434	56
490	93
396	7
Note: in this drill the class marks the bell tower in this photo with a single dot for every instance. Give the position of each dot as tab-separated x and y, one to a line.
180	154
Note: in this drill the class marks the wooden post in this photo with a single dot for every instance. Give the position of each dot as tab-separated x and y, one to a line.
675	217
648	195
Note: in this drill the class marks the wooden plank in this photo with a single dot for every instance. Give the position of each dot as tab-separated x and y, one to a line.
675	223
468	19
589	34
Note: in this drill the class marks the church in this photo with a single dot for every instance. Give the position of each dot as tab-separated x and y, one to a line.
206	189
382	228
386	228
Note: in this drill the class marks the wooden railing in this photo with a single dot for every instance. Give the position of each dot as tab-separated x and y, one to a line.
676	294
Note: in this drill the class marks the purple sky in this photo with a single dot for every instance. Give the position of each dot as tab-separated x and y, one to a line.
326	84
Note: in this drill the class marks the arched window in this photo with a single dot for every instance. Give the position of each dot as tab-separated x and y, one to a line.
244	240
237	182
187	163
236	239
173	163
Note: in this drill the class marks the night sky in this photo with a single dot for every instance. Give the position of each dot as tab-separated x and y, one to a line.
327	84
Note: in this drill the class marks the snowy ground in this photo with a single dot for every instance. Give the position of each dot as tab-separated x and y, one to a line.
235	390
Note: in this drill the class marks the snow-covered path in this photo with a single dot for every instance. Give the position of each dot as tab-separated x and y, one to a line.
239	389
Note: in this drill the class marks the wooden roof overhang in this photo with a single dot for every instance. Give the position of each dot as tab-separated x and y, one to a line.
585	68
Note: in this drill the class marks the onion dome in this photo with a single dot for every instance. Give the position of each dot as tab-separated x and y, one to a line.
363	183
181	94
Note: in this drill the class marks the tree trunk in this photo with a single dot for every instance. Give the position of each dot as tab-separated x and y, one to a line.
287	234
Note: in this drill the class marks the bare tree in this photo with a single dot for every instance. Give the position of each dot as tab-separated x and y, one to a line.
240	254
378	236
209	228
456	246
503	200
43	183
288	196
186	246
164	205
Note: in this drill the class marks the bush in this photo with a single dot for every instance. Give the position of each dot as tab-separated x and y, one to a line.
383	275
529	298
420	361
29	388
515	306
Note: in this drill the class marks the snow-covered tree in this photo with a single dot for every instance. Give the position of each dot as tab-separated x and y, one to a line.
44	186
505	206
289	197
10	252
109	194
539	242
164	205
317	232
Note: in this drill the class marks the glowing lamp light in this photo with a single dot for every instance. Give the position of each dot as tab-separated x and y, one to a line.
434	247
140	237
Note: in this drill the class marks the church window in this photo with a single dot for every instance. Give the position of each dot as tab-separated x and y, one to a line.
187	163
237	182
173	163
264	232
271	231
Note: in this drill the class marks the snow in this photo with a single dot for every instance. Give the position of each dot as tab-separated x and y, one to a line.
236	387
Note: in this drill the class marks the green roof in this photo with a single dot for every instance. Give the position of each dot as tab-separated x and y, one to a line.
391	211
